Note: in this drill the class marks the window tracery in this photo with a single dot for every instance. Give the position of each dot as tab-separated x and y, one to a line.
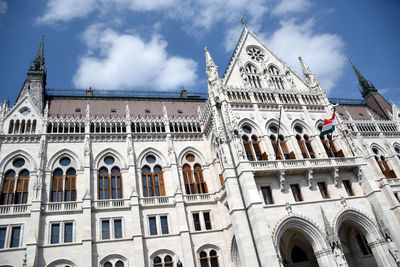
209	258
63	182
383	163
275	77
304	142
329	145
109	179
251	144
256	54
253	76
15	182
279	144
152	177
193	175
163	261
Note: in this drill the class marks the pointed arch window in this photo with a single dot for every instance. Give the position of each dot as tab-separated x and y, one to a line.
252	76
153	181
209	259
275	77
63	189
279	145
329	145
167	262
109	180
383	164
7	193
21	192
193	176
251	144
304	142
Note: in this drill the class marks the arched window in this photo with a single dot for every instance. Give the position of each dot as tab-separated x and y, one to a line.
108	264
252	76
153	181
304	142
279	144
63	182
193	176
152	177
109	180
21	192
7	193
167	261
275	77
15	187
251	144
11	127
329	145
119	264
210	259
397	151
383	164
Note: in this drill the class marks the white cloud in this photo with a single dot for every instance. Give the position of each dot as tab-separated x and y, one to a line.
66	10
126	61
3	7
323	53
290	6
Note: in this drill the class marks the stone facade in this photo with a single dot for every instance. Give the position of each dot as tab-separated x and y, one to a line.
239	178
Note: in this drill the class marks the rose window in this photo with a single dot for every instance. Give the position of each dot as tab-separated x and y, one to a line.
256	54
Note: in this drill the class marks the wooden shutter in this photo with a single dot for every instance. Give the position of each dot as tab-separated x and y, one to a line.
292	155
340	153
221	179
277	151
257	150
249	152
333	147
285	149
161	184
326	146
303	149
310	149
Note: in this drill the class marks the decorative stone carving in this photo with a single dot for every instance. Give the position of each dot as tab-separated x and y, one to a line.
335	176
282	180
288	208
310	178
343	201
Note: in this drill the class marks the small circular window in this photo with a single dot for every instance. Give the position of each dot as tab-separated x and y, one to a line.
361	115
273	129
246	129
190	157
65	161
397	149
18	163
109	160
256	54
150	159
24	111
298	129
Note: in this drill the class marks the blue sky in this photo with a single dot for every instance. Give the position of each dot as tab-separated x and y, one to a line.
159	44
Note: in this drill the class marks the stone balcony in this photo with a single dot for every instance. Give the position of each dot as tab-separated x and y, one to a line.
293	166
56	207
156	202
13	210
110	204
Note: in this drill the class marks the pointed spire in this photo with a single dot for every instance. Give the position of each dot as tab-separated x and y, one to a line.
38	63
212	72
309	76
365	86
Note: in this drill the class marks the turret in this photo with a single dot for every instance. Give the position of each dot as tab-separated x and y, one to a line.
35	82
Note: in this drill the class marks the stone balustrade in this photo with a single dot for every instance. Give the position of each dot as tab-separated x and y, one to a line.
301	164
62	206
14	209
110	203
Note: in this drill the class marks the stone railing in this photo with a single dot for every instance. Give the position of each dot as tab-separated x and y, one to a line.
157	201
62	206
14	209
300	164
394	181
199	198
110	203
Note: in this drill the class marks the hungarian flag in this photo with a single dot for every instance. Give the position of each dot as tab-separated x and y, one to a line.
329	126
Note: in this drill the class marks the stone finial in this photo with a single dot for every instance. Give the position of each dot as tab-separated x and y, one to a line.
309	76
343	201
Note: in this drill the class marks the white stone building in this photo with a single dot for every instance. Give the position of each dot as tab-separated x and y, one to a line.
237	178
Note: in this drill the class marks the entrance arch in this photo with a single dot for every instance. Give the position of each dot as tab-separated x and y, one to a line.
301	244
362	243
